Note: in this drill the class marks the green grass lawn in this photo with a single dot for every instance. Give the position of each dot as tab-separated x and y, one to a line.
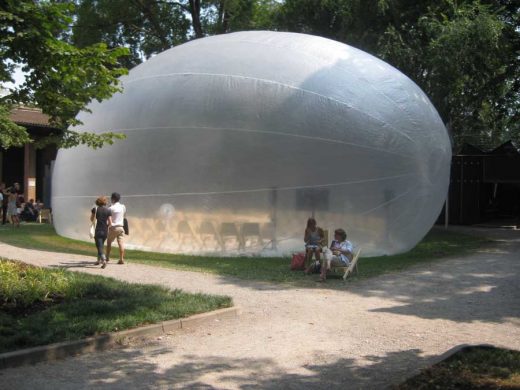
472	368
437	244
41	306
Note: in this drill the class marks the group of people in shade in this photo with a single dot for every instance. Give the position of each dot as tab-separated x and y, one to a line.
342	250
109	221
14	207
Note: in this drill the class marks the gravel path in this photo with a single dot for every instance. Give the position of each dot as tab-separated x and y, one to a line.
369	334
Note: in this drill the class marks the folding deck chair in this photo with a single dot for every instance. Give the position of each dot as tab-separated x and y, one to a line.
352	266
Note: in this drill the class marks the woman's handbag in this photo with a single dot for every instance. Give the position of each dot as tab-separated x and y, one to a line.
92	231
125	226
298	262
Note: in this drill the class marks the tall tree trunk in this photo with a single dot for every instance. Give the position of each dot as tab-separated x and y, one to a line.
223	17
195	16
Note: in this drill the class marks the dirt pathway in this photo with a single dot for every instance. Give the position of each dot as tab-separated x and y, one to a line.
370	334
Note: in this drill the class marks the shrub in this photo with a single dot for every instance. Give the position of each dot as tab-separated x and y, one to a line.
24	285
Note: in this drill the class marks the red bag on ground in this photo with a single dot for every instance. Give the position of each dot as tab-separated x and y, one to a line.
298	262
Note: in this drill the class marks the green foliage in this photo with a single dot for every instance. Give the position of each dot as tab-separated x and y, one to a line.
61	78
435	246
69	139
148	27
471	368
145	27
22	285
462	57
265	15
464	54
10	133
41	306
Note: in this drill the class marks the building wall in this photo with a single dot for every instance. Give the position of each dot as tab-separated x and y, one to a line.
31	168
12	169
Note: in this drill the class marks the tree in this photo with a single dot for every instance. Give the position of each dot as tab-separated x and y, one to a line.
466	59
148	27
61	78
145	27
464	54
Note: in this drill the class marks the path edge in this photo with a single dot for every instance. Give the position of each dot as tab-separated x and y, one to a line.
102	342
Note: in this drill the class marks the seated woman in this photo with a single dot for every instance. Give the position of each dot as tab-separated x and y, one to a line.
341	253
313	238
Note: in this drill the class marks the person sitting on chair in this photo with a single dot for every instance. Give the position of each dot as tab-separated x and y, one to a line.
341	253
313	238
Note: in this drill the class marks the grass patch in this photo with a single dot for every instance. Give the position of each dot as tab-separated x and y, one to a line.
41	306
436	245
471	368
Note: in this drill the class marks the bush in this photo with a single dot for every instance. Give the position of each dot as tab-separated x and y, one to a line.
24	285
41	305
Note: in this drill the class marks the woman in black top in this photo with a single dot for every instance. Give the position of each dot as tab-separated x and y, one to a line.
102	215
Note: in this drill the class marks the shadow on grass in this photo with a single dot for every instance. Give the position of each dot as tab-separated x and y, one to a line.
482	287
85	305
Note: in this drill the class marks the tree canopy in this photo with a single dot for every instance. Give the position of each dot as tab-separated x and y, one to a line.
465	54
148	27
61	78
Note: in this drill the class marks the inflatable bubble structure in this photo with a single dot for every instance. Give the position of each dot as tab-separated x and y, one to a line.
233	141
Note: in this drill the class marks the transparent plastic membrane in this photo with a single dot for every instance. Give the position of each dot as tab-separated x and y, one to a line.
233	141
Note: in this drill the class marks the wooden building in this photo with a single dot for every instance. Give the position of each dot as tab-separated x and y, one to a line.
27	165
484	186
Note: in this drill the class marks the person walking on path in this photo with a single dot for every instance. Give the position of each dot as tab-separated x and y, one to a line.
102	215
116	230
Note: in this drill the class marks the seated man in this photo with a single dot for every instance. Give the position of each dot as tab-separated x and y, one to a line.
341	253
29	212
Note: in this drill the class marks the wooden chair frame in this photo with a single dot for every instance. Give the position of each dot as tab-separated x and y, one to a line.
353	265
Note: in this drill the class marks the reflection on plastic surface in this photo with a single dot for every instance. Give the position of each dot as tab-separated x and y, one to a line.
233	141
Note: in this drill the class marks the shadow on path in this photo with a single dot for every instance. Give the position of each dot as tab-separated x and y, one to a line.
483	287
129	369
75	264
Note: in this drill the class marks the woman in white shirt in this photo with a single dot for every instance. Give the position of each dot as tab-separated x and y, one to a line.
341	253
